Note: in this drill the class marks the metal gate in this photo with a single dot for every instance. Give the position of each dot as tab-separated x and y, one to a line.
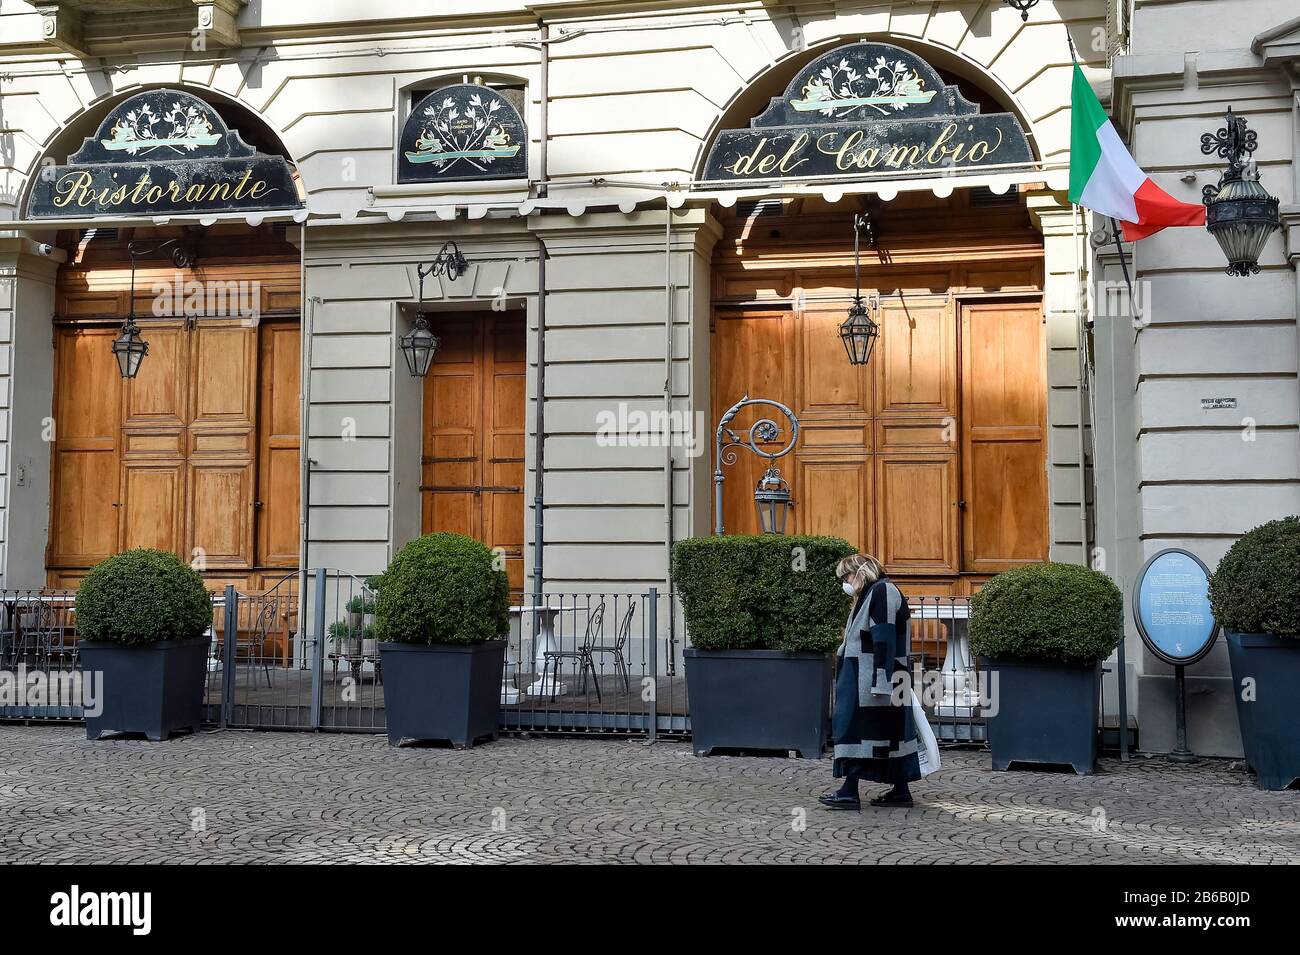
259	659
297	664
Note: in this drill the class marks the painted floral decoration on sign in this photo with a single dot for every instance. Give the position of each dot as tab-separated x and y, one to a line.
841	87
473	136
134	131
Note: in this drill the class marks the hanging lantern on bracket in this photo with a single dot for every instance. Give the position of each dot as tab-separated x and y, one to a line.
1240	213
773	502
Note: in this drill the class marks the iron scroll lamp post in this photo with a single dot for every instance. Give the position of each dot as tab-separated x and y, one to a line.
419	344
1240	213
772	499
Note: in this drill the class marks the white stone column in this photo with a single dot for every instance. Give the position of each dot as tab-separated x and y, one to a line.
27	274
1065	271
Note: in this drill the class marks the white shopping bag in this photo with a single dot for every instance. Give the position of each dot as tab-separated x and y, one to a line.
927	750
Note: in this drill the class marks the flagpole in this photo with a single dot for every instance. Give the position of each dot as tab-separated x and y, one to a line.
1121	667
1128	279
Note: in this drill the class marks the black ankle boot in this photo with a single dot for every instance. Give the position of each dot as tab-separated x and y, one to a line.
846	797
898	797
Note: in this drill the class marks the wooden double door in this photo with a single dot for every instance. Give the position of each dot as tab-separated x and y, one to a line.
932	456
473	456
198	455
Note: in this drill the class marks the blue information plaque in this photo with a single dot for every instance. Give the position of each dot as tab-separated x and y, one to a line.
1171	606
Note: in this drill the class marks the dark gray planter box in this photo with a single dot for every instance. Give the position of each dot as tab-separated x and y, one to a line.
154	690
759	699
442	691
1268	723
1047	713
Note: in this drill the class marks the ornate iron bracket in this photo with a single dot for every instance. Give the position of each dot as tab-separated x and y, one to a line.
729	441
448	262
1235	143
184	250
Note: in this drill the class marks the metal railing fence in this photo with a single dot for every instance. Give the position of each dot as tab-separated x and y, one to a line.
576	663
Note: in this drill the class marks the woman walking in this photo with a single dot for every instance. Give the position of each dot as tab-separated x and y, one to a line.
872	727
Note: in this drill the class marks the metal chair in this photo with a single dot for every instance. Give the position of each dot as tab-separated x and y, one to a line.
42	633
616	650
56	635
253	613
595	624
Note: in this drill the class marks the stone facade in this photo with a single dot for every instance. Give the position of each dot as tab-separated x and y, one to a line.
621	104
617	110
1169	473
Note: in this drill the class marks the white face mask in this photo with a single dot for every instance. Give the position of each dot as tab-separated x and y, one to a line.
849	589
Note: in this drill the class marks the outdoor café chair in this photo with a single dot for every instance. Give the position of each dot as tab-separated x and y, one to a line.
583	654
616	649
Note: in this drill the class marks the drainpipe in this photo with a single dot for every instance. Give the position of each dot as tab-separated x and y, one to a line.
543	97
539	477
1086	416
668	417
307	324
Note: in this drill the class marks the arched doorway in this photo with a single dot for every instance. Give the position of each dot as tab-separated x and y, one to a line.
933	455
199	453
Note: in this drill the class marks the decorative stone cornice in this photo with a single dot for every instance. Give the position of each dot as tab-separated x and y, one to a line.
1051	212
62	25
216	18
1279	45
1291	234
65	23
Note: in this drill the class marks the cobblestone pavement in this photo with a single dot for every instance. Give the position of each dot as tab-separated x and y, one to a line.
297	797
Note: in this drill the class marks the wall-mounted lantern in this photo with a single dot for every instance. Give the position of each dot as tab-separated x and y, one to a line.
418	347
420	344
129	348
859	332
1240	213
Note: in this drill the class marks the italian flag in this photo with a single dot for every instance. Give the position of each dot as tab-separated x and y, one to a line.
1105	179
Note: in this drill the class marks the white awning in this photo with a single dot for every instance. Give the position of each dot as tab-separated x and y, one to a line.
124	221
580	197
576	198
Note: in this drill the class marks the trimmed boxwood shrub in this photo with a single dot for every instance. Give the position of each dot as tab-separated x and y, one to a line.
442	588
142	596
1053	613
361	604
1256	587
765	592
